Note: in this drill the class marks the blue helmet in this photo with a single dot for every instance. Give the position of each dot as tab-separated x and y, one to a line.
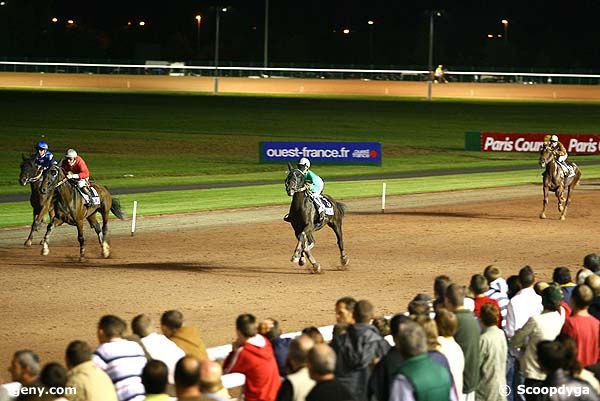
41	145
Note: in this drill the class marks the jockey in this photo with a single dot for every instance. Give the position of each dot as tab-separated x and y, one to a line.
77	170
560	152
44	157
314	183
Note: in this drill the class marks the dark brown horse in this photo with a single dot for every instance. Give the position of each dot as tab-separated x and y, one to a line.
69	207
303	216
32	173
555	181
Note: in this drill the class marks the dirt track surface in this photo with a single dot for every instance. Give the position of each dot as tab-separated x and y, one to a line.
289	86
215	265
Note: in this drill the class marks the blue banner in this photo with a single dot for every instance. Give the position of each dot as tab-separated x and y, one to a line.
321	152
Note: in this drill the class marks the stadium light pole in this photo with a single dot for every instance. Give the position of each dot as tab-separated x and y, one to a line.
217	32
505	23
370	23
432	15
266	46
198	19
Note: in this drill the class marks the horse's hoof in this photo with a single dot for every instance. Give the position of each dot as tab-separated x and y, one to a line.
345	261
562	217
302	261
27	243
82	259
45	250
295	259
316	269
105	250
542	216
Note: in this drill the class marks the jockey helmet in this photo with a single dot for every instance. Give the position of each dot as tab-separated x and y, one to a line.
41	145
71	154
304	163
553	138
547	138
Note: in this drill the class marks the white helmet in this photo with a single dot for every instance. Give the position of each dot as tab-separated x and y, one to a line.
553	138
304	162
71	154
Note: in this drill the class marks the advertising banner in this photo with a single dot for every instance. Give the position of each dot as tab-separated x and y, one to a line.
321	152
532	142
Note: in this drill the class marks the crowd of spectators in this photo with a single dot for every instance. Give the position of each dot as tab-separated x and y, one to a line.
494	339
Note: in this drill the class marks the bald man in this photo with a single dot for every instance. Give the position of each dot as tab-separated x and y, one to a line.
210	381
297	383
593	282
187	380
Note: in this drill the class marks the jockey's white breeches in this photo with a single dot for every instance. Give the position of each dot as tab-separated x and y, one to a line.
562	158
82	183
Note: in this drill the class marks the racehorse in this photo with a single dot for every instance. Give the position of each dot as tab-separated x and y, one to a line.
31	173
555	181
303	216
70	208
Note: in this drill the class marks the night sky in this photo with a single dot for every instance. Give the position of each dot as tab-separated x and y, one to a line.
547	35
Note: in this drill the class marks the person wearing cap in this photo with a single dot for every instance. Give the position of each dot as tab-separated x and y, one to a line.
438	75
44	157
77	170
539	328
560	152
314	187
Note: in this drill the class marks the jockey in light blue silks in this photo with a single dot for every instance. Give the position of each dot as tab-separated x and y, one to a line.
315	185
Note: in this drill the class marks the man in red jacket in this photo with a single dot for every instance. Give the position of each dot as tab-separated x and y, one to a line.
77	170
252	355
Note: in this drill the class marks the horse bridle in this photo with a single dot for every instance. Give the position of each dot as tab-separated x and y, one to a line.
54	186
39	172
298	179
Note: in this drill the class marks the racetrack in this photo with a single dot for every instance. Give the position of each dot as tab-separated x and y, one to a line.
216	265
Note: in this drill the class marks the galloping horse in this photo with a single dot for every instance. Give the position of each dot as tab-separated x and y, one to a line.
302	217
31	173
69	207
555	181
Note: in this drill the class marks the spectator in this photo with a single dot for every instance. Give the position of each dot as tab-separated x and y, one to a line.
314	333
583	327
493	355
539	288
270	329
419	377
420	305
186	337
525	304
467	336
25	368
498	290
385	370
123	360
90	382
155	377
252	355
297	383
538	328
592	262
479	286
53	378
583	274
439	291
562	276
594	283
187	380
158	346
321	368
572	365
211	384
514	286
358	350
551	355
447	324
344	310
433	345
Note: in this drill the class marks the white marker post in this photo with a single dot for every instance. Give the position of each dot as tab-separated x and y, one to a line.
383	198
134	217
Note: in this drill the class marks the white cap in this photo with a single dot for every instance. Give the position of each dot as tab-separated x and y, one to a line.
71	153
553	138
304	162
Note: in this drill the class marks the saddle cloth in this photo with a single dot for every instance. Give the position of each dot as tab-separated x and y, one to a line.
323	204
567	169
95	197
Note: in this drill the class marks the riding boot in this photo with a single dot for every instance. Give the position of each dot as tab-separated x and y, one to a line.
88	202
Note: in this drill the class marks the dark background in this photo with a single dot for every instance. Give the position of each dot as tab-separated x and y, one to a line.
547	35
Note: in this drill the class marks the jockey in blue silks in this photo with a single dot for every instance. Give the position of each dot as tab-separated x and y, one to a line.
44	157
315	185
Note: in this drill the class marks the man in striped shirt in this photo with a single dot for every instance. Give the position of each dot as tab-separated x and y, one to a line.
121	359
498	290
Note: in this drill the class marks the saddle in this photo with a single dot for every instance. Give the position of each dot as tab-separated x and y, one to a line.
95	198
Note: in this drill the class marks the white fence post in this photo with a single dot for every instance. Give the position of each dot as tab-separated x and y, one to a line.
383	198
133	218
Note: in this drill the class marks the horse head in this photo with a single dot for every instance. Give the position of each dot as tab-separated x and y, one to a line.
53	178
294	181
30	171
546	156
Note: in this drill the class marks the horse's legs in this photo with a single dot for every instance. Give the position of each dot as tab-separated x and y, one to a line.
299	247
101	236
567	202
54	222
337	229
560	196
81	240
545	188
34	227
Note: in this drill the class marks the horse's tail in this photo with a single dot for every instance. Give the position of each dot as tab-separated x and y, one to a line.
115	208
341	208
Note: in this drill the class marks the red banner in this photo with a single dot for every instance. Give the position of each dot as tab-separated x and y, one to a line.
582	144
